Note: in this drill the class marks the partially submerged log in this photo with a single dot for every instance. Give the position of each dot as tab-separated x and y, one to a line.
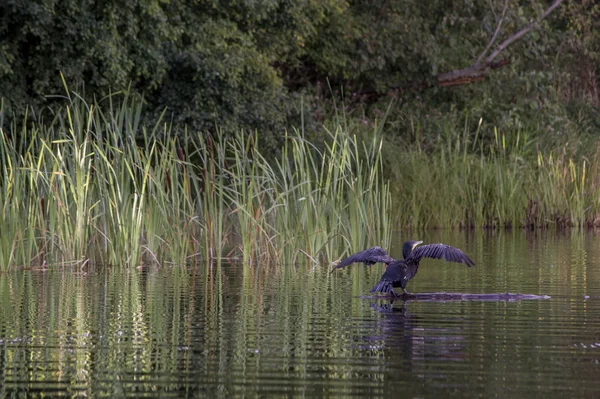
457	296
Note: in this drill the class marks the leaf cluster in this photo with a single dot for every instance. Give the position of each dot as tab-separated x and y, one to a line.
242	64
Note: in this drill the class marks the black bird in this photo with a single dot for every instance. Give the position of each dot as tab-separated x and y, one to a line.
369	257
399	272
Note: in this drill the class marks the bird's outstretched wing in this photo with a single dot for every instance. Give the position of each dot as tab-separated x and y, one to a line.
368	257
440	251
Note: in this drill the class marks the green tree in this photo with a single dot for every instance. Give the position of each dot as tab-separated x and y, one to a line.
241	64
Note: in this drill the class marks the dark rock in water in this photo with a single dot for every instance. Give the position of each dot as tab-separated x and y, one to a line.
457	296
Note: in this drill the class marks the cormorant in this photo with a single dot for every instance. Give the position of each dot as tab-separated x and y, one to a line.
399	272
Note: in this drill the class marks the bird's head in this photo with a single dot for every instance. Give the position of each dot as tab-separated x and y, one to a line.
408	247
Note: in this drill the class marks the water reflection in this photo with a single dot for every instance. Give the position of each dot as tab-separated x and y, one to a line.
409	342
295	330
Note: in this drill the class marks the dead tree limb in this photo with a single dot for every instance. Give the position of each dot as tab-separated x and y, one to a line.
522	32
478	70
493	39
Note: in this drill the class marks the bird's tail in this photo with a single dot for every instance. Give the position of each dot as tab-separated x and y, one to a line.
384	286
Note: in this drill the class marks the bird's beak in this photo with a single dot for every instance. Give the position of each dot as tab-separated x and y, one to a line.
417	243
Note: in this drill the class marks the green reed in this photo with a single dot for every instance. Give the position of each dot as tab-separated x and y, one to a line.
464	181
94	185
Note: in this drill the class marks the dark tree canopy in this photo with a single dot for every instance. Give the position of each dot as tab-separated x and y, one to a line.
244	64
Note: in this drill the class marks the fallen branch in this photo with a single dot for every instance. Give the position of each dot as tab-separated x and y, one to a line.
474	73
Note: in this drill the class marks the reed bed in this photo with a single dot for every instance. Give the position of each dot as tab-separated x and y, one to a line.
464	181
93	185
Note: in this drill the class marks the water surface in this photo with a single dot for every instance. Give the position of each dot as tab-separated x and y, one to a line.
296	330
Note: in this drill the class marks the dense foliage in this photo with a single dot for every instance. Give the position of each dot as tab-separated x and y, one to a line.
238	64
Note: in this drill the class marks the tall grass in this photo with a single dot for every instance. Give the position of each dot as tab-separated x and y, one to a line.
508	181
95	185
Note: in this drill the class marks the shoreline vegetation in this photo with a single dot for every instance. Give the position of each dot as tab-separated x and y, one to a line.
93	184
289	132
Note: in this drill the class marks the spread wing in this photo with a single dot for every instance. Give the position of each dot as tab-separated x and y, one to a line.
440	251
368	257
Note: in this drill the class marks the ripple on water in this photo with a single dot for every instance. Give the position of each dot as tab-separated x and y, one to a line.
288	330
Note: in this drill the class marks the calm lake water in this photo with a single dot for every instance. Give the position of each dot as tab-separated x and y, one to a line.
273	330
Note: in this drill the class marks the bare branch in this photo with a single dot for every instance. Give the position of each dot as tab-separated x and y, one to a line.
522	32
493	39
479	70
492	9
